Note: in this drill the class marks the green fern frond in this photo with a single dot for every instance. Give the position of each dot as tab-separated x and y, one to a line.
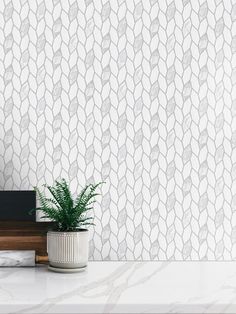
68	214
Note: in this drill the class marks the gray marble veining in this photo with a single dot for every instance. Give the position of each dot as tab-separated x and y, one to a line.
122	287
17	258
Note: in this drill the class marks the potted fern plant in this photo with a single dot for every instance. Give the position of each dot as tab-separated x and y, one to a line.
67	245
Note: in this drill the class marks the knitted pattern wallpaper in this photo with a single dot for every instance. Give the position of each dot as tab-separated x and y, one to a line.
138	93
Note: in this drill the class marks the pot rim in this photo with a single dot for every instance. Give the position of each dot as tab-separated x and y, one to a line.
69	232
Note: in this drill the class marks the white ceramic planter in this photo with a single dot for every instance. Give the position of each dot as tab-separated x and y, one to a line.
68	250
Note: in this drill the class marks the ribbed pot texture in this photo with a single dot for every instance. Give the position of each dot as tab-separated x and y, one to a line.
68	249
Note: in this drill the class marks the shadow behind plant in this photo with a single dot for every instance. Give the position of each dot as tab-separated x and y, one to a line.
66	213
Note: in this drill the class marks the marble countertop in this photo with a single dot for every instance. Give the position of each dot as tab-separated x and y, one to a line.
122	287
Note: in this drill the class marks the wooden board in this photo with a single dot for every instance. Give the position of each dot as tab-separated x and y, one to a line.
24	235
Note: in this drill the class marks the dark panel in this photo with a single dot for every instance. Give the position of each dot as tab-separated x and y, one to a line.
15	205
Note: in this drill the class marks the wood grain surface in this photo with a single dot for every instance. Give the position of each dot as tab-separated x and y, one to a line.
24	235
